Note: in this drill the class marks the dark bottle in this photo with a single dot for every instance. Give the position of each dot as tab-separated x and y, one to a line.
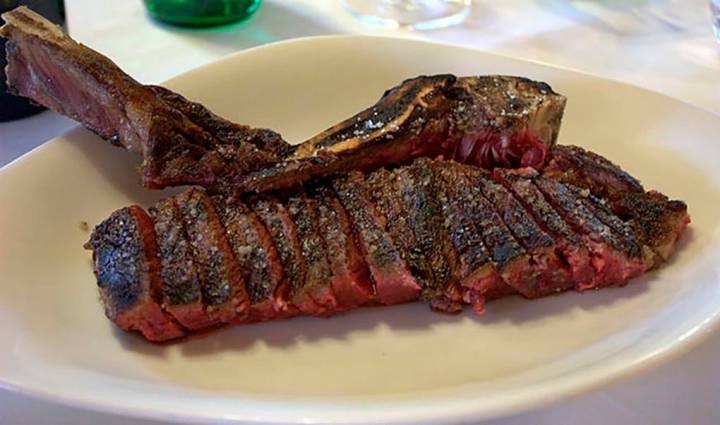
13	107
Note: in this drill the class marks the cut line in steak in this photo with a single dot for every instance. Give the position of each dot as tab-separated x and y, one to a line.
350	276
128	274
317	285
483	120
570	245
339	245
257	259
222	286
548	269
274	216
392	280
182	296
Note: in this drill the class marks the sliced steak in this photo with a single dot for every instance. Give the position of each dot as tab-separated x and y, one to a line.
549	272
615	257
570	245
223	289
388	198
257	259
507	253
656	220
318	273
181	287
128	274
418	187
476	270
393	281
273	214
350	276
585	169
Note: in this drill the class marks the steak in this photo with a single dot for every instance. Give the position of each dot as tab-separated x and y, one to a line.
391	277
182	290
482	120
223	289
350	276
435	230
181	142
125	254
257	259
318	286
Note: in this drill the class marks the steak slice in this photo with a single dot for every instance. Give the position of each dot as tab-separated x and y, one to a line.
223	289
475	268
508	256
571	246
388	198
547	273
318	274
350	276
273	214
393	281
615	257
258	261
418	188
585	169
181	287
128	274
656	220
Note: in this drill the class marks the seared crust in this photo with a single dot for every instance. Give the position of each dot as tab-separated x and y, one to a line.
222	285
257	258
390	274
317	285
181	142
351	279
128	274
181	286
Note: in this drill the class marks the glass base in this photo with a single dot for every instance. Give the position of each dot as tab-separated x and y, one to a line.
410	14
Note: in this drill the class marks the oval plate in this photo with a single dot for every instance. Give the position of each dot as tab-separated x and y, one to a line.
401	364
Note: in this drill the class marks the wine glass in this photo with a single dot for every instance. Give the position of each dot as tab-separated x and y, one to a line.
410	14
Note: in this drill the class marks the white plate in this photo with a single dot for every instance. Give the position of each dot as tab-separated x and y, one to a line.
400	364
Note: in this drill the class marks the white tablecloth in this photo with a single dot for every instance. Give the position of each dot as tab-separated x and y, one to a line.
665	45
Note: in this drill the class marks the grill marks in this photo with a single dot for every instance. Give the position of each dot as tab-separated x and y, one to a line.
439	231
388	197
418	187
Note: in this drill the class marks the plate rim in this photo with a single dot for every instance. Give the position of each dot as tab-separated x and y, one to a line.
442	409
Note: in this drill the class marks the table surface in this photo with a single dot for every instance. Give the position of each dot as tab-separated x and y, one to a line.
664	45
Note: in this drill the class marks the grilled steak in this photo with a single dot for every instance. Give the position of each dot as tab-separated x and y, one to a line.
436	230
180	142
486	120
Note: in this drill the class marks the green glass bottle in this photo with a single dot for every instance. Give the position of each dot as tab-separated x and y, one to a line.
201	13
